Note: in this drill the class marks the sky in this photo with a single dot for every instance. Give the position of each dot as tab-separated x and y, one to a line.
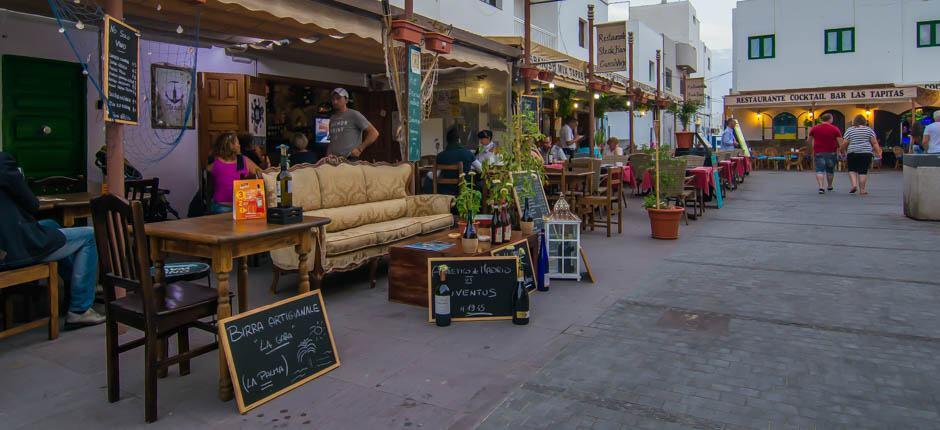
715	16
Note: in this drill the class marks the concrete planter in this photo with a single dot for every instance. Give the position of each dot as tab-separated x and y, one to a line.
922	186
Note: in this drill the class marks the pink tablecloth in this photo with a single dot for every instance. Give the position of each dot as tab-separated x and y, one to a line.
556	166
647	183
725	170
704	178
628	178
739	166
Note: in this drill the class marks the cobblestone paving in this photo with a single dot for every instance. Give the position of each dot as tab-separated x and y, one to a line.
788	310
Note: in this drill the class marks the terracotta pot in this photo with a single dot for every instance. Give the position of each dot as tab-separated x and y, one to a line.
684	139
528	72
438	42
527	227
662	103
469	246
407	32
546	76
664	223
596	85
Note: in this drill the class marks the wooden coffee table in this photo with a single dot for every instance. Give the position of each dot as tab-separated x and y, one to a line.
408	267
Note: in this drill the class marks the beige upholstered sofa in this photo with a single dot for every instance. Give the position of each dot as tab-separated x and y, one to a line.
370	207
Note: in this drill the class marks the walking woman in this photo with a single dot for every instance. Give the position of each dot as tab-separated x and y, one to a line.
860	144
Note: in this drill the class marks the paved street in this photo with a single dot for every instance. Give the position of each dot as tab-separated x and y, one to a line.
785	310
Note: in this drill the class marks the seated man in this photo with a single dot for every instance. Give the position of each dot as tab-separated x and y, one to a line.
25	241
301	154
453	153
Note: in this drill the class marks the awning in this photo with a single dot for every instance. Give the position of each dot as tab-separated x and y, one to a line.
870	95
571	74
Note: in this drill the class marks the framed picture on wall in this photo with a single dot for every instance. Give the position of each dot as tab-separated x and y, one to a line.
170	90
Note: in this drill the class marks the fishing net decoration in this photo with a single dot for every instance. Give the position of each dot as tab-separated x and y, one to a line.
144	146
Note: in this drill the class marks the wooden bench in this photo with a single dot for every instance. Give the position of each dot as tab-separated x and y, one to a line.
9	278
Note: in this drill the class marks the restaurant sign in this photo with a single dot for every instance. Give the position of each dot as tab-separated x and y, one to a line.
695	90
561	70
612	47
859	95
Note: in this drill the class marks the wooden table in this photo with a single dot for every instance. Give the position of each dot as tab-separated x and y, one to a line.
408	267
68	206
221	239
581	174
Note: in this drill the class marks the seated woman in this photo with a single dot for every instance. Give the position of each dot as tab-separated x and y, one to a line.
613	147
227	166
300	153
254	150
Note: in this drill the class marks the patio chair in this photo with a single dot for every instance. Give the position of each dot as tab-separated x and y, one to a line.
773	158
676	191
451	181
158	309
692	161
794	159
640	163
608	199
898	157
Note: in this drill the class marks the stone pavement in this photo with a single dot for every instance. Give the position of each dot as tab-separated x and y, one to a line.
786	310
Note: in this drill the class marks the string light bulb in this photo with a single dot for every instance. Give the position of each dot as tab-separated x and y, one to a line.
61	29
551	85
575	105
480	90
597	96
159	7
79	25
179	29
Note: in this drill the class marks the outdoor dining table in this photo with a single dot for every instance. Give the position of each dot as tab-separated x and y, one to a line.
740	166
68	207
572	177
704	178
222	240
727	172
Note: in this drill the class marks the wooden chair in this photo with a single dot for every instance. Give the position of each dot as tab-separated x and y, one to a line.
152	306
692	161
608	199
437	171
677	191
898	157
58	185
773	158
640	163
555	186
794	159
423	166
23	275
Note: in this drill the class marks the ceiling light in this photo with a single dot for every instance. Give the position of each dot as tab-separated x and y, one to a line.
339	35
311	39
551	85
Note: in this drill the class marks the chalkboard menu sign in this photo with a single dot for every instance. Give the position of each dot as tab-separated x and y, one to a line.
529	105
121	71
481	287
276	348
538	203
520	249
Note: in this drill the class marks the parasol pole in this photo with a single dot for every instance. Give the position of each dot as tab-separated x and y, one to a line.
657	122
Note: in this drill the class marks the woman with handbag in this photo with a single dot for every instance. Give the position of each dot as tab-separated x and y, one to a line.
861	145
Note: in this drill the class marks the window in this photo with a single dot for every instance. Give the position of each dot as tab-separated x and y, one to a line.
761	47
784	126
582	33
667	77
495	3
652	72
840	40
928	34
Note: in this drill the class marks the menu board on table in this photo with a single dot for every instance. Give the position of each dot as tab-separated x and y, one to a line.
523	182
248	199
276	348
121	72
520	249
481	287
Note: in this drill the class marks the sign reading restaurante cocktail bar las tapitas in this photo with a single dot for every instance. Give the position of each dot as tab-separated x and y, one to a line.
829	96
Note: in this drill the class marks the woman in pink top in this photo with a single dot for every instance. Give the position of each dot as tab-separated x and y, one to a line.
228	166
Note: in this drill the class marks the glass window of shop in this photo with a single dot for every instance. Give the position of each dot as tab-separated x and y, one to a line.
473	99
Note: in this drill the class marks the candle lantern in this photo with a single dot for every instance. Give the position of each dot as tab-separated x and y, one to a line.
563	233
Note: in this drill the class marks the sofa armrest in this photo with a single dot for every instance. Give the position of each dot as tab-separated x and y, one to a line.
429	204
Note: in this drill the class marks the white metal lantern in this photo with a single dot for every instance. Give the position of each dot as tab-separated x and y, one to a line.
563	233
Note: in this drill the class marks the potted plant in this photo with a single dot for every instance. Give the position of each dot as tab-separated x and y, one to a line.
518	153
546	75
468	205
662	103
684	111
406	31
528	72
664	216
438	42
596	84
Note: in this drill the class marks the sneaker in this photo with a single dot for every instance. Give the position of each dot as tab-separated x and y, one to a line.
84	319
822	191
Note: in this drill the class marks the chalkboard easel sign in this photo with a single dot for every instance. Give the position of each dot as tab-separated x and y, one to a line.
276	348
121	74
520	249
481	287
538	202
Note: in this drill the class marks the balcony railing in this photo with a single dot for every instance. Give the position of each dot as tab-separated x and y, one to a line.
539	35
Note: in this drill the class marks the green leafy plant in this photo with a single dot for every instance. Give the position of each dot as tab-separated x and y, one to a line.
468	199
565	99
684	112
520	153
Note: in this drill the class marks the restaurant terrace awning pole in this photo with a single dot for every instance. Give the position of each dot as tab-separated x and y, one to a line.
591	119
630	97
910	148
114	132
527	54
657	120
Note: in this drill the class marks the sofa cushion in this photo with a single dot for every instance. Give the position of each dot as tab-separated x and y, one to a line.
305	187
368	235
346	217
432	223
386	182
392	231
350	240
341	185
429	204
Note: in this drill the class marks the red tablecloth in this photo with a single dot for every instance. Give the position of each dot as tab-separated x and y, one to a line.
747	164
725	170
556	166
628	178
704	178
739	166
647	183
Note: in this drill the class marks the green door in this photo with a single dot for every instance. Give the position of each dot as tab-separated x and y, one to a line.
43	119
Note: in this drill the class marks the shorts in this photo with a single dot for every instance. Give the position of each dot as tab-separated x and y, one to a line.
859	162
826	162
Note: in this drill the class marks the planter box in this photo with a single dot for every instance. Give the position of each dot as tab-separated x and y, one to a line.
438	42
546	76
596	85
407	32
528	72
922	186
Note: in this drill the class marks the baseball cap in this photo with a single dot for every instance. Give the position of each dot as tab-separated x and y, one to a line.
341	92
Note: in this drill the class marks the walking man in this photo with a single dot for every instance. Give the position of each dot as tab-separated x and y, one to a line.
931	140
825	139
347	127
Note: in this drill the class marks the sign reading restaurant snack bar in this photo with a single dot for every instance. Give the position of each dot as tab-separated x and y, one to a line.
849	96
611	47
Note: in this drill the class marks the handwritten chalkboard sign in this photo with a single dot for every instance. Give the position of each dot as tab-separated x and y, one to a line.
276	348
481	287
538	203
529	105
520	249
121	72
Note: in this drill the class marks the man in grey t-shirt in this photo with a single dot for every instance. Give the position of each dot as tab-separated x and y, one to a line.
347	127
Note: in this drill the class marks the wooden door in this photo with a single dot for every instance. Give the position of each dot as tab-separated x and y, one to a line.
222	108
43	119
378	108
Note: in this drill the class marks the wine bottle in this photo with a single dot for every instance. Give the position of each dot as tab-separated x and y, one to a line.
497	238
469	232
520	301
543	280
284	181
442	300
507	224
526	215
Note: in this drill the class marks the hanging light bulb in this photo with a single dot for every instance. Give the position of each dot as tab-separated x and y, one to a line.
629	103
575	105
551	85
480	90
61	29
179	29
597	96
79	25
159	6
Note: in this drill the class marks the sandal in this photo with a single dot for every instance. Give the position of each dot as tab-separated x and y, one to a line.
853	190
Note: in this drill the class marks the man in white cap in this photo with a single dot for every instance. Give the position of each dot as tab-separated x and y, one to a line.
347	127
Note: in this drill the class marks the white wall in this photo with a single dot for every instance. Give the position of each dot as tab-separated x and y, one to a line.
886	47
673	19
33	36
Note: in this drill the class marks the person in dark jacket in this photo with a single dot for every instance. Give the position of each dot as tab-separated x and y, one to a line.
453	153
25	241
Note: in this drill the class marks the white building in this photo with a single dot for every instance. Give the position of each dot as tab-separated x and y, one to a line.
795	59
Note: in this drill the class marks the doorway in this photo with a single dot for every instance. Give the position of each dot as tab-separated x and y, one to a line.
43	120
838	118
